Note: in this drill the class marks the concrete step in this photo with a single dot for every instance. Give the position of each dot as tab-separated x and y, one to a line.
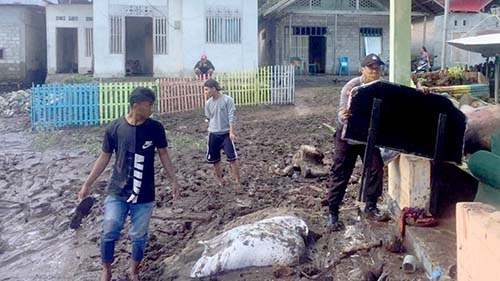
435	247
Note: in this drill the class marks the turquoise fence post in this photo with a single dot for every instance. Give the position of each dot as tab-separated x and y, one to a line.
80	105
95	103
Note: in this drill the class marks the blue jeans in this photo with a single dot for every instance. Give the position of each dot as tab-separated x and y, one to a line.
115	213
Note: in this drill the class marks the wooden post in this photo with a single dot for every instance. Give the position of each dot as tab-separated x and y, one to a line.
438	149
370	145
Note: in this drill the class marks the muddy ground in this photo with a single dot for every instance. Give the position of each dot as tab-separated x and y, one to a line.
41	173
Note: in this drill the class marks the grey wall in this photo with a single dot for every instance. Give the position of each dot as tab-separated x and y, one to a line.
35	46
423	33
344	42
12	66
22	36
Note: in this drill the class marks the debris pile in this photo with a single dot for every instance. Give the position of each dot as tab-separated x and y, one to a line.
15	103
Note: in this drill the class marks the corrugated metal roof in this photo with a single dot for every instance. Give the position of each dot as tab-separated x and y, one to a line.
431	7
466	5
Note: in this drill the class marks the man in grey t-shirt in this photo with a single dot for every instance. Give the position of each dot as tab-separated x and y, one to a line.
220	112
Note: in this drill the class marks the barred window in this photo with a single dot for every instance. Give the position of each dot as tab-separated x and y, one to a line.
370	31
73	18
116	30
1	53
309	30
60	18
223	26
89	18
371	40
89	41
161	35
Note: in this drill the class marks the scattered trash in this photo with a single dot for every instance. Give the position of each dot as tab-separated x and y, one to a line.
415	217
435	274
409	264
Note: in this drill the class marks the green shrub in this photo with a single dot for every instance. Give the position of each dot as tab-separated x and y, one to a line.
456	72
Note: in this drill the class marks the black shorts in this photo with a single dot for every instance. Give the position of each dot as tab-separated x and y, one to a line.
218	142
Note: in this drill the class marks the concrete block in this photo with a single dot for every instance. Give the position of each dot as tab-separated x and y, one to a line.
409	181
478	241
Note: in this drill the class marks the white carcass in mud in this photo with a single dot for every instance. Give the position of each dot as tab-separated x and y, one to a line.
273	241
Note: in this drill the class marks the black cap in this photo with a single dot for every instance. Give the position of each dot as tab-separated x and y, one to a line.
371	59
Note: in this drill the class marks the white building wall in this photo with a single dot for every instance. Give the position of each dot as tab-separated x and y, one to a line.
186	38
82	12
105	63
171	64
225	57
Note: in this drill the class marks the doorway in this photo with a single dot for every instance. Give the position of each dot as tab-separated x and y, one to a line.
317	54
138	46
66	50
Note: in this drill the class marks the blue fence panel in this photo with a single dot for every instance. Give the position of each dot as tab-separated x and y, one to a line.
62	105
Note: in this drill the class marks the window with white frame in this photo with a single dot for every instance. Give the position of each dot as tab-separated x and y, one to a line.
223	26
371	40
115	34
161	35
296	44
89	41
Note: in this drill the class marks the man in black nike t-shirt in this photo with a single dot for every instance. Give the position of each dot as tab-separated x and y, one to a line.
134	139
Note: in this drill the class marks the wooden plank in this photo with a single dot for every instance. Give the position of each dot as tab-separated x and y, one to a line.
435	168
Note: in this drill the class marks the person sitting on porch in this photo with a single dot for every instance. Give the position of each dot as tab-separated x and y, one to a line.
204	67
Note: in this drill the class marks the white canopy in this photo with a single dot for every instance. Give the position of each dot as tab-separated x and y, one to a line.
488	45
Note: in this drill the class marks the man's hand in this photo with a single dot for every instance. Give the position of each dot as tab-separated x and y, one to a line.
84	192
424	89
176	190
232	136
346	114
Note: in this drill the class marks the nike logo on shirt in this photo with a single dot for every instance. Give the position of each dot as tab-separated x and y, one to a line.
147	144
